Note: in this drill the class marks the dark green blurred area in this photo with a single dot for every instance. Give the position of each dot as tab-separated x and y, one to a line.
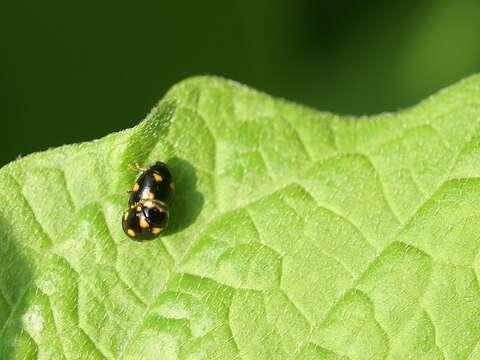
77	70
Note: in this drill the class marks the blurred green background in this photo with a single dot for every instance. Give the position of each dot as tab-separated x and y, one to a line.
75	71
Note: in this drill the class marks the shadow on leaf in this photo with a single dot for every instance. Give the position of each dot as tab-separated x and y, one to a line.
187	202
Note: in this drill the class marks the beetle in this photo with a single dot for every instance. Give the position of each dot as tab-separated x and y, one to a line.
148	214
145	220
155	183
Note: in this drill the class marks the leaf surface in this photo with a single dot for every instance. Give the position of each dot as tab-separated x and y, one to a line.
294	234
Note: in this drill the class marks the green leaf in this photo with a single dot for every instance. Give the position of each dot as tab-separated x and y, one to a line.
294	234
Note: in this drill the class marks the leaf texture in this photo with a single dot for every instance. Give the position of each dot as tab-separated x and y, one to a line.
294	234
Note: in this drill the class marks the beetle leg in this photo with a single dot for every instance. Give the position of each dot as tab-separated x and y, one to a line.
136	167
